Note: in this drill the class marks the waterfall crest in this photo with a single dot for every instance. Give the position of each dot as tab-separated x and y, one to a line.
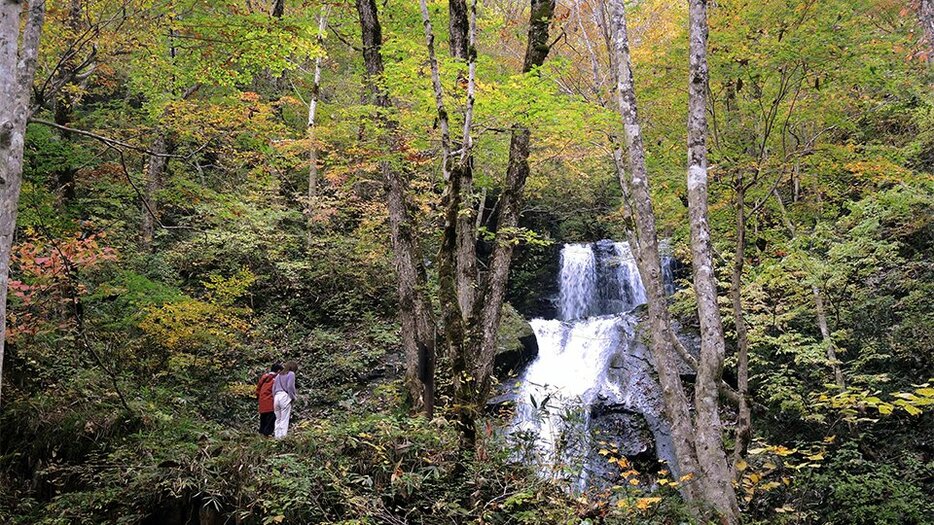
589	366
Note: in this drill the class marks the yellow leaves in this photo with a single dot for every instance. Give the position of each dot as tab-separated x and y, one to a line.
202	333
642	504
778	450
658	23
193	323
226	290
769	486
852	403
880	172
741	465
249	96
244	390
646	503
906	396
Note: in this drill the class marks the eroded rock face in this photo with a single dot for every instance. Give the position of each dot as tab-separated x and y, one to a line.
617	428
639	398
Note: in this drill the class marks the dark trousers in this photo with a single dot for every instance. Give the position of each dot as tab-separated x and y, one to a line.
267	423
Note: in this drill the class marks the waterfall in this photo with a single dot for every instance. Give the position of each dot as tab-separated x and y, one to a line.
589	363
578	281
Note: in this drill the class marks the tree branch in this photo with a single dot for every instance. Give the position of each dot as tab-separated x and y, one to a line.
107	140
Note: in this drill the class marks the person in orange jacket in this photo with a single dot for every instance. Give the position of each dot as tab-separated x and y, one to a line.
264	395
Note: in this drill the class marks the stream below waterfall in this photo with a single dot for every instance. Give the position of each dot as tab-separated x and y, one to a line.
592	384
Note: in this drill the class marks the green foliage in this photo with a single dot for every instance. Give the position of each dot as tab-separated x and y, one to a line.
826	105
860	491
359	468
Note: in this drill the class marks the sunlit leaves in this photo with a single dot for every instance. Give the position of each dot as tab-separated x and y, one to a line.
853	404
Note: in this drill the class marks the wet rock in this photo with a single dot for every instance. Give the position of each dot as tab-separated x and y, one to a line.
633	373
517	345
617	428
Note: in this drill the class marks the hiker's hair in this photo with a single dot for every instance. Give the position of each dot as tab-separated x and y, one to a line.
275	367
291	366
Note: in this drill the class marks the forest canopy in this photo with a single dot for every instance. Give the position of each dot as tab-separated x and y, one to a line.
379	195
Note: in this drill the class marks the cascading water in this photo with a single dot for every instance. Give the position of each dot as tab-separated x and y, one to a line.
588	363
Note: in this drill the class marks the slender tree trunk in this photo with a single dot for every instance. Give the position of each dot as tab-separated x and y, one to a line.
418	327
829	347
155	173
458	38
461	42
64	101
744	413
18	55
313	141
452	315
708	440
636	186
820	310
66	172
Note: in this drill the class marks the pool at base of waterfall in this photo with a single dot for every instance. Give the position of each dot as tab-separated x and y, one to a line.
592	386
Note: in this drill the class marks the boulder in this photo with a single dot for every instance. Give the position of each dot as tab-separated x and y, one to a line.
517	345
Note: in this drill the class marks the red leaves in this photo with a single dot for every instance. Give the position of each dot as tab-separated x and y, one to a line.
47	275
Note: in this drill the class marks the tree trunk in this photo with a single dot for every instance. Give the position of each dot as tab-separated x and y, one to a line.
64	101
418	327
462	37
313	142
829	347
18	55
820	311
278	8
476	348
708	441
457	269
451	308
66	172
458	38
744	413
926	17
155	172
636	186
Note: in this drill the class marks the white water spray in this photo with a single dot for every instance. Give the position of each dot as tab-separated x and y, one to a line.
586	359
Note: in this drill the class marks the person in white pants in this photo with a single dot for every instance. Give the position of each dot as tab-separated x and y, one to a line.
283	390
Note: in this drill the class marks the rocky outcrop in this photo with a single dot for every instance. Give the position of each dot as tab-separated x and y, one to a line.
517	345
